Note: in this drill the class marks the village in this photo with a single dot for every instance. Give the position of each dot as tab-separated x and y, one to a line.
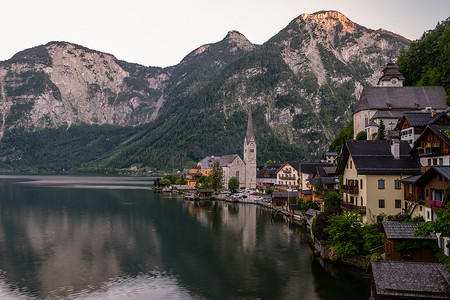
393	176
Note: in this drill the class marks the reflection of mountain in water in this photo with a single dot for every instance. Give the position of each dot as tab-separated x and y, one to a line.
63	242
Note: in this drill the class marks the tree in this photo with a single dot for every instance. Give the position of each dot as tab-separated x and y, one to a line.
215	179
427	60
164	182
440	225
345	135
346	233
381	134
362	135
269	162
332	201
202	179
233	184
318	189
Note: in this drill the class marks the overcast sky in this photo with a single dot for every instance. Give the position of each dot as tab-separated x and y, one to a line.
160	33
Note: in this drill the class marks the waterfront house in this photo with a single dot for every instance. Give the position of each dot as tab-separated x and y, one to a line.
326	177
392	280
280	199
193	176
266	176
287	175
306	173
412	124
389	100
400	244
372	171
432	147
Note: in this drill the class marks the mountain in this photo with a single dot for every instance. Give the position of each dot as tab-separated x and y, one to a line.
302	85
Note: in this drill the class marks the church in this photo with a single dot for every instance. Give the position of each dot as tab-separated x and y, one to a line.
233	165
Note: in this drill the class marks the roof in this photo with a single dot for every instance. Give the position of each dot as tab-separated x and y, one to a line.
375	157
282	194
391	71
225	160
439	130
208	161
324	180
312	212
293	164
410	279
310	167
444	171
403	98
404	230
388	114
411	179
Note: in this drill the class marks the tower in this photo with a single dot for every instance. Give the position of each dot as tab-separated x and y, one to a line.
250	154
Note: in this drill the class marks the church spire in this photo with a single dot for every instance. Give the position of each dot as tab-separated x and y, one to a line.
249	124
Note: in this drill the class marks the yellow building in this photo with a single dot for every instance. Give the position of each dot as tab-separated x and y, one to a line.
372	172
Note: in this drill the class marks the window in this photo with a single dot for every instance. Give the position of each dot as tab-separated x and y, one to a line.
397	185
237	175
381	203
351	164
360	183
252	150
437	195
426	193
381	183
429	162
441	161
398	203
434	161
362	202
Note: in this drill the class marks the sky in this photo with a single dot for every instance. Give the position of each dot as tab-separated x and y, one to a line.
162	32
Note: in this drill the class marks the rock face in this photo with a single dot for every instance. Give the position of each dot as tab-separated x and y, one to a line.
304	82
65	83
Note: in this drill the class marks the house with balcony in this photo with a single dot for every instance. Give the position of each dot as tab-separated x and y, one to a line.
412	124
287	175
326	177
266	176
433	146
306	173
372	172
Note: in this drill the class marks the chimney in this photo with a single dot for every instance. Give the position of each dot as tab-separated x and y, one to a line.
433	113
395	148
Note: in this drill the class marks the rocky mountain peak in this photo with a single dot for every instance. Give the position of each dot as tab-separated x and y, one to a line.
239	41
328	20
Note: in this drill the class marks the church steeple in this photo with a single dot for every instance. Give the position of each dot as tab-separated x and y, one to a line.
250	153
249	125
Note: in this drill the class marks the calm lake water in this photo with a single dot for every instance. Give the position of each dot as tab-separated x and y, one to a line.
64	237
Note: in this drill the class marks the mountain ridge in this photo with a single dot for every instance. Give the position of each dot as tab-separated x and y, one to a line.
303	84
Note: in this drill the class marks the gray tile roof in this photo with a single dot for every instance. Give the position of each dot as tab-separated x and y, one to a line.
444	171
375	157
439	130
310	167
208	161
404	230
410	279
388	114
225	160
402	98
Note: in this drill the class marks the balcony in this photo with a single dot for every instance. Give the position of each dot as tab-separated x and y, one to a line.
352	207
415	198
287	171
287	177
349	189
428	151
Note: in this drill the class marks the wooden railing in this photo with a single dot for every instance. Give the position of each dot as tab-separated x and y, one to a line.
349	189
352	207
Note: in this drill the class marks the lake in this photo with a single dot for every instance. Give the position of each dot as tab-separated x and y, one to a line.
69	237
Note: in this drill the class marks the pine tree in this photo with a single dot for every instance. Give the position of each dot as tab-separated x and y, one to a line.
381	135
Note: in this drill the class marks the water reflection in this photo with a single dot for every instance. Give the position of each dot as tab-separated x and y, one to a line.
94	243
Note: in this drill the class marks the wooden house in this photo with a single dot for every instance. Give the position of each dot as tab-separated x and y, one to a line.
433	146
412	124
400	244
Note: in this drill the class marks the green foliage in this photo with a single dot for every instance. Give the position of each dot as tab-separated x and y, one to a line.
269	191
164	182
233	184
203	179
361	136
440	225
372	237
268	162
318	189
427	61
346	233
215	179
345	135
412	245
332	200
309	204
381	134
321	222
